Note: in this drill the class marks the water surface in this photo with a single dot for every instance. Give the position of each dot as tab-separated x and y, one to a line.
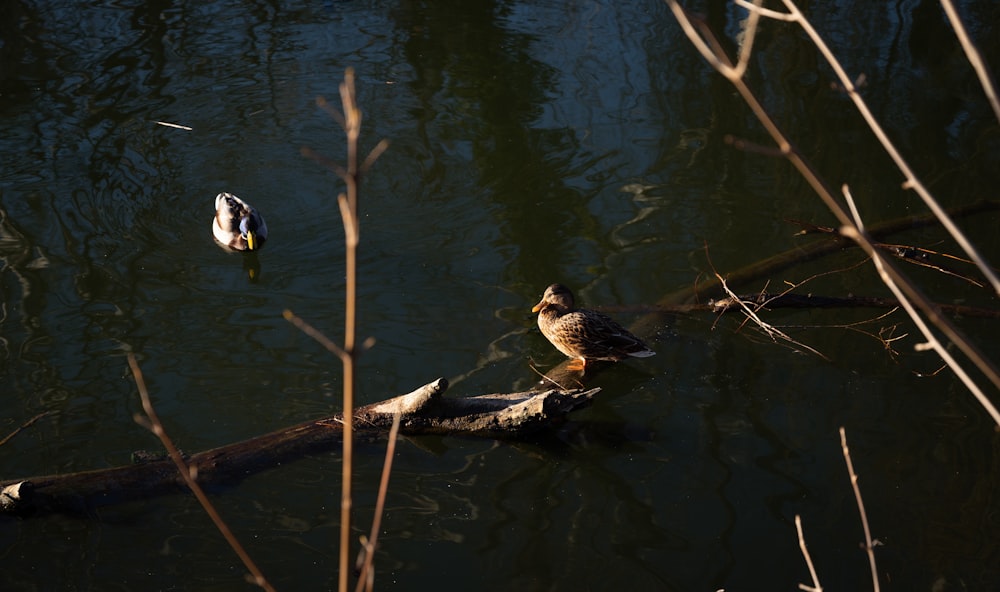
532	142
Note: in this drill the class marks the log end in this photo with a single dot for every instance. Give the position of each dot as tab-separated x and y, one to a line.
411	403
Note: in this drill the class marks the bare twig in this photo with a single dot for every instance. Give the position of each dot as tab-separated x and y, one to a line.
869	546
152	422
771	331
377	151
882	266
314	333
349	215
911	182
174	125
721	62
347	202
765	12
750	33
989	87
816	587
366	578
751	315
24	425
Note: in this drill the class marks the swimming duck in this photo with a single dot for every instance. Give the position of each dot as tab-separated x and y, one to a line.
582	334
237	224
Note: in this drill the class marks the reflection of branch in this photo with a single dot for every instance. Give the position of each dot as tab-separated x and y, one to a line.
849	224
869	546
188	473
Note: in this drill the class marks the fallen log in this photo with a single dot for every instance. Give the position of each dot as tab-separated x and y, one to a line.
424	411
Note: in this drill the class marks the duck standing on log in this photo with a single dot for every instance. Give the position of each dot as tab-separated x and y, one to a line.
584	335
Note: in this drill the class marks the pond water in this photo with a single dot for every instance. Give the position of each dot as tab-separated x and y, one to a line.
531	142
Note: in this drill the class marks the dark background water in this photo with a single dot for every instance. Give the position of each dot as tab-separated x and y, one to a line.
532	142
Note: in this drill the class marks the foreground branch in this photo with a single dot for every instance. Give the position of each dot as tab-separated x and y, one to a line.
188	473
706	43
869	545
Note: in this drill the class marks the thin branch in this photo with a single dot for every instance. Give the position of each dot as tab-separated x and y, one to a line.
347	202
324	161
377	151
770	330
351	230
911	182
314	333
366	578
723	67
751	314
746	48
816	587
765	12
349	215
882	266
174	125
932	342
752	147
722	63
325	105
975	58
869	546
152	422
25	425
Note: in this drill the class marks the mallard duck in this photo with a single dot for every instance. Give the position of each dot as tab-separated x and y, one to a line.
237	224
582	334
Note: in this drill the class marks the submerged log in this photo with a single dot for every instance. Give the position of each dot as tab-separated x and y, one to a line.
424	411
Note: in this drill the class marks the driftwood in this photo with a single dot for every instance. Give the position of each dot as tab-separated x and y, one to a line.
424	411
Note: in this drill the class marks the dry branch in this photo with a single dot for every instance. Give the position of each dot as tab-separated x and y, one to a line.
23	426
771	266
869	544
189	474
847	216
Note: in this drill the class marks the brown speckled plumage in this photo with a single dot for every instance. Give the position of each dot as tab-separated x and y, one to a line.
582	334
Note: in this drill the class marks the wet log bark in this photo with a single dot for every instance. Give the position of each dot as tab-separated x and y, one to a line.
424	411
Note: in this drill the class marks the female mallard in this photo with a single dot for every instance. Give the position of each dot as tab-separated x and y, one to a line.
237	224
584	334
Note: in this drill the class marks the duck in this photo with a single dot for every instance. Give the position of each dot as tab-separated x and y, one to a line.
584	335
238	225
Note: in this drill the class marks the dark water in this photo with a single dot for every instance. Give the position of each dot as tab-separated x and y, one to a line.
531	143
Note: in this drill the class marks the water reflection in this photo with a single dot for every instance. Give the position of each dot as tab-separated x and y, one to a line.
251	265
532	142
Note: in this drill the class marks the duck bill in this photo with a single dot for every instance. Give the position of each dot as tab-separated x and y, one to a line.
538	306
251	241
